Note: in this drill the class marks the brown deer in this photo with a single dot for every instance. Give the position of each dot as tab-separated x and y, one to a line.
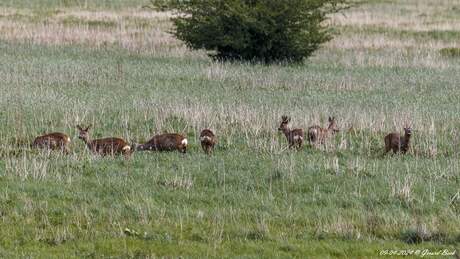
293	136
53	141
208	140
105	146
395	142
318	135
165	142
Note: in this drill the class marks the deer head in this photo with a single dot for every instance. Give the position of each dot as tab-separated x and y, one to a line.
84	133
407	130
333	125
284	122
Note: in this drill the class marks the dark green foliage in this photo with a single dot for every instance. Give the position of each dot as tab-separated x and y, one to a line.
450	52
255	30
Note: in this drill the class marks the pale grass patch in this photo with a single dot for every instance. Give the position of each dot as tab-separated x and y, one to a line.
394	58
218	222
402	188
7	11
426	229
54	235
373	41
114	15
218	71
286	167
27	167
134	38
153	39
356	166
414	15
412	22
56	34
400	50
178	182
341	227
142	208
432	148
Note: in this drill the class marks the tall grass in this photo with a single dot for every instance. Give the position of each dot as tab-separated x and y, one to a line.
117	69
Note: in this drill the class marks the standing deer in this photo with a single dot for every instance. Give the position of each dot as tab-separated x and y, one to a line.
395	142
293	136
53	141
104	146
165	142
208	139
318	135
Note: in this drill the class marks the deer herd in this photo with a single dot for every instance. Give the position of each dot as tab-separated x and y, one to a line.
316	135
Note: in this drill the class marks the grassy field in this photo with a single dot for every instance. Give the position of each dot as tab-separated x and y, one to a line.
112	64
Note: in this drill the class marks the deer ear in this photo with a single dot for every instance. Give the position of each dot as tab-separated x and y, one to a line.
87	128
330	119
79	127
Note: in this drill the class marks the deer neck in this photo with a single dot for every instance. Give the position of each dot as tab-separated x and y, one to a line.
407	138
330	129
287	132
87	141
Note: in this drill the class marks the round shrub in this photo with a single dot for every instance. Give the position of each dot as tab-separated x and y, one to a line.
253	30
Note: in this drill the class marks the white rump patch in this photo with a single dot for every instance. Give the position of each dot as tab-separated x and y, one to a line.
297	137
184	142
205	138
68	139
126	148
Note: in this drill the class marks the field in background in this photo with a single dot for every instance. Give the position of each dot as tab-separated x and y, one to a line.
112	64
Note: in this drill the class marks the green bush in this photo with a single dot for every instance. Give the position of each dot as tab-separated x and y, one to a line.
255	30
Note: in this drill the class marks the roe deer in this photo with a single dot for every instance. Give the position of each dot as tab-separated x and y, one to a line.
165	142
105	146
208	139
395	142
316	134
293	136
53	141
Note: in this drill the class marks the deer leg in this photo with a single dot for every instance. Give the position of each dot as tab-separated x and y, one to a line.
66	150
386	150
299	144
127	154
206	148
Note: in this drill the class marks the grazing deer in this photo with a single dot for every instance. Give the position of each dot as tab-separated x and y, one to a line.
208	139
293	136
316	134
395	142
53	141
165	142
105	146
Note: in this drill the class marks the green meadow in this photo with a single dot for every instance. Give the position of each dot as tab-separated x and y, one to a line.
112	64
